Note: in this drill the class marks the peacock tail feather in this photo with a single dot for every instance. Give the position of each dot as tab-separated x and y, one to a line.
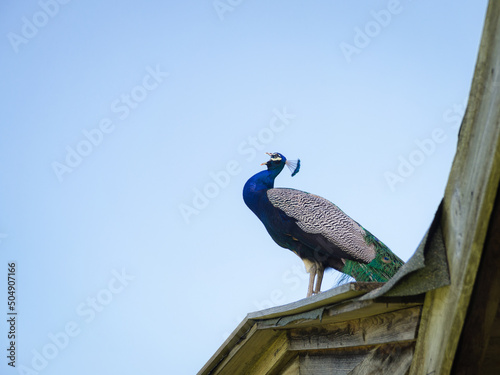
380	269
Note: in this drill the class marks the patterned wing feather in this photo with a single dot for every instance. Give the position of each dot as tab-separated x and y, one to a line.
316	215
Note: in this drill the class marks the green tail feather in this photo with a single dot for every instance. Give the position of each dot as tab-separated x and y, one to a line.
380	269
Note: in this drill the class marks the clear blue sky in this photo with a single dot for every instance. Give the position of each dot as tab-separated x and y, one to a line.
129	129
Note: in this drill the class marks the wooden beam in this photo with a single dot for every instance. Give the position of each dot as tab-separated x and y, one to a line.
468	202
291	368
245	353
275	356
338	294
364	309
394	326
239	334
340	312
258	331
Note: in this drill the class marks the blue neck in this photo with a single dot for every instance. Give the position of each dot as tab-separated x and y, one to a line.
257	185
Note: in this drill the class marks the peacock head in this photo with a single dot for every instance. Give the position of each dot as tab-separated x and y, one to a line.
278	161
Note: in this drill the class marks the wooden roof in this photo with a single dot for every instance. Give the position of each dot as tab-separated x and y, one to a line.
315	333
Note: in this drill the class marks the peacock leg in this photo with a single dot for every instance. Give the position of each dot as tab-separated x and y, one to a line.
320	271
312	275
312	269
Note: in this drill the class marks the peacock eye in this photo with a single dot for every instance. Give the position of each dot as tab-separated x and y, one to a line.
275	157
386	260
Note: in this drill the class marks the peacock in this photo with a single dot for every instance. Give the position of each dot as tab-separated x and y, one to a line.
316	230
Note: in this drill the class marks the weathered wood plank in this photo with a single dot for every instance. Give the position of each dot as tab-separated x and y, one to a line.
386	360
252	335
468	202
340	312
339	362
389	359
337	294
234	338
363	309
275	356
395	326
244	354
291	368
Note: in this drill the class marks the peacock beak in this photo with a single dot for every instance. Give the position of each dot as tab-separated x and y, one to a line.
267	153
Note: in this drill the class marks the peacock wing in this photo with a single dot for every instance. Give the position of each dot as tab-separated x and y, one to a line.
320	224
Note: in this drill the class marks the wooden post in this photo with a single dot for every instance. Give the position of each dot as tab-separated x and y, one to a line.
468	203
